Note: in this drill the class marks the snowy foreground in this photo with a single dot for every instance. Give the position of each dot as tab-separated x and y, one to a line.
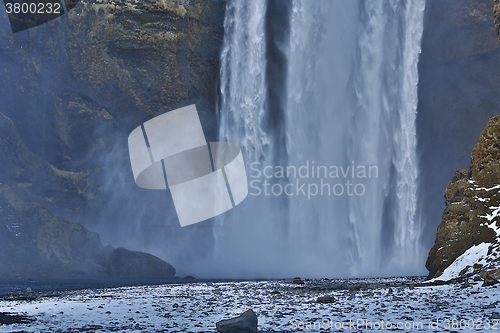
281	306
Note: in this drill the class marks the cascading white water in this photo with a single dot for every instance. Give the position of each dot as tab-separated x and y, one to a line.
251	246
407	234
350	101
243	98
386	90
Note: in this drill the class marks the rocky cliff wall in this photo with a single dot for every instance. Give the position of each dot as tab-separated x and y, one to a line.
73	89
459	76
471	216
467	238
36	243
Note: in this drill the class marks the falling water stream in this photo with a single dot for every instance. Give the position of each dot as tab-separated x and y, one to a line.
345	112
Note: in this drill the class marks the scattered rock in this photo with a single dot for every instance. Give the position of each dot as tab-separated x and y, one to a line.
489	281
245	323
298	280
325	299
28	290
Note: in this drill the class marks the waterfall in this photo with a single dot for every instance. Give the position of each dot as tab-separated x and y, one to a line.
252	246
243	98
349	104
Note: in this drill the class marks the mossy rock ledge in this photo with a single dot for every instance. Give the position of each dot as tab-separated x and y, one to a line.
472	212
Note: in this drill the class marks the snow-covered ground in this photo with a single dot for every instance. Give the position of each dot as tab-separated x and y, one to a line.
279	305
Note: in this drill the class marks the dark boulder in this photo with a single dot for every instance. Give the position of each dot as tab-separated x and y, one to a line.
245	323
325	299
489	281
123	263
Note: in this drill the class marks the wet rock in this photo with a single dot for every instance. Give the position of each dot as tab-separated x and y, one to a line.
297	280
489	281
123	263
325	299
245	323
355	288
189	277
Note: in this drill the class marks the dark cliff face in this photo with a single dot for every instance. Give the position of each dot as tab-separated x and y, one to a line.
459	76
471	199
36	243
73	89
466	93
